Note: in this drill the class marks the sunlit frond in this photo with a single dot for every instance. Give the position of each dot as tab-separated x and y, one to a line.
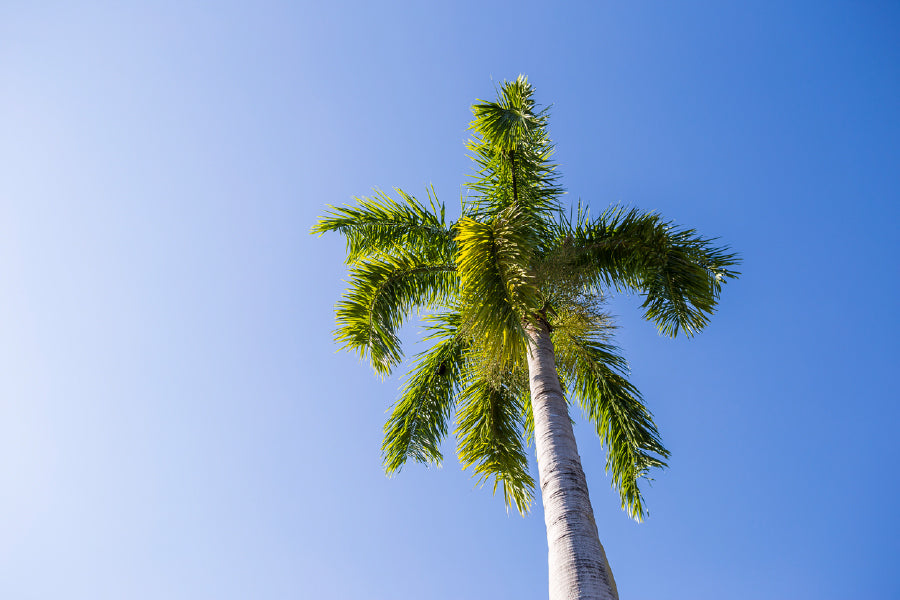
493	259
679	273
594	371
381	225
512	152
382	293
508	122
490	439
420	417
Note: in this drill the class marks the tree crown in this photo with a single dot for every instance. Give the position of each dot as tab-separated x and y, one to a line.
514	258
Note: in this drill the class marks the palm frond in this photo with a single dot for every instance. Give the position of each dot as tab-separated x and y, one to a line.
381	225
679	272
381	294
594	370
419	419
489	431
498	290
507	123
512	154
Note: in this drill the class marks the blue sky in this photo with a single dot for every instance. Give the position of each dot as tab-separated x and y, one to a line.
175	421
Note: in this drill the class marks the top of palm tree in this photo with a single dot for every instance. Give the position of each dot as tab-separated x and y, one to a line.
515	259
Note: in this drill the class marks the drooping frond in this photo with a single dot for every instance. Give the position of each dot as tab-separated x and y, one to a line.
381	294
420	417
679	273
512	152
381	225
490	425
493	259
594	371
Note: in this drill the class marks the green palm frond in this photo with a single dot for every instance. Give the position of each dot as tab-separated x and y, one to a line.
420	417
679	273
683	289
512	152
507	123
594	371
381	294
490	439
382	225
493	260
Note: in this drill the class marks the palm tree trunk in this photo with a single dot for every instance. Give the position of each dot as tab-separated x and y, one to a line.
578	565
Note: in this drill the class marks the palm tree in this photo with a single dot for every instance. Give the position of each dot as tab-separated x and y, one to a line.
512	293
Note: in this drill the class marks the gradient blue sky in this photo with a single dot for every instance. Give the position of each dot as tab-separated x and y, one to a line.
175	422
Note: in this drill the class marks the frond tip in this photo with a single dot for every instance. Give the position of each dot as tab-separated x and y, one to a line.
506	123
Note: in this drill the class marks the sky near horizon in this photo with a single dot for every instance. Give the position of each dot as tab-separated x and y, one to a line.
175	421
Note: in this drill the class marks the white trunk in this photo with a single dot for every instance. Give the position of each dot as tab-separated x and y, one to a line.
578	566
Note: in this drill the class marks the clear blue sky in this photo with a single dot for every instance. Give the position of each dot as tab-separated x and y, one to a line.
175	422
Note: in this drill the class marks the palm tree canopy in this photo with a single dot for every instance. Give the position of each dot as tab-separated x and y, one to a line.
514	258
